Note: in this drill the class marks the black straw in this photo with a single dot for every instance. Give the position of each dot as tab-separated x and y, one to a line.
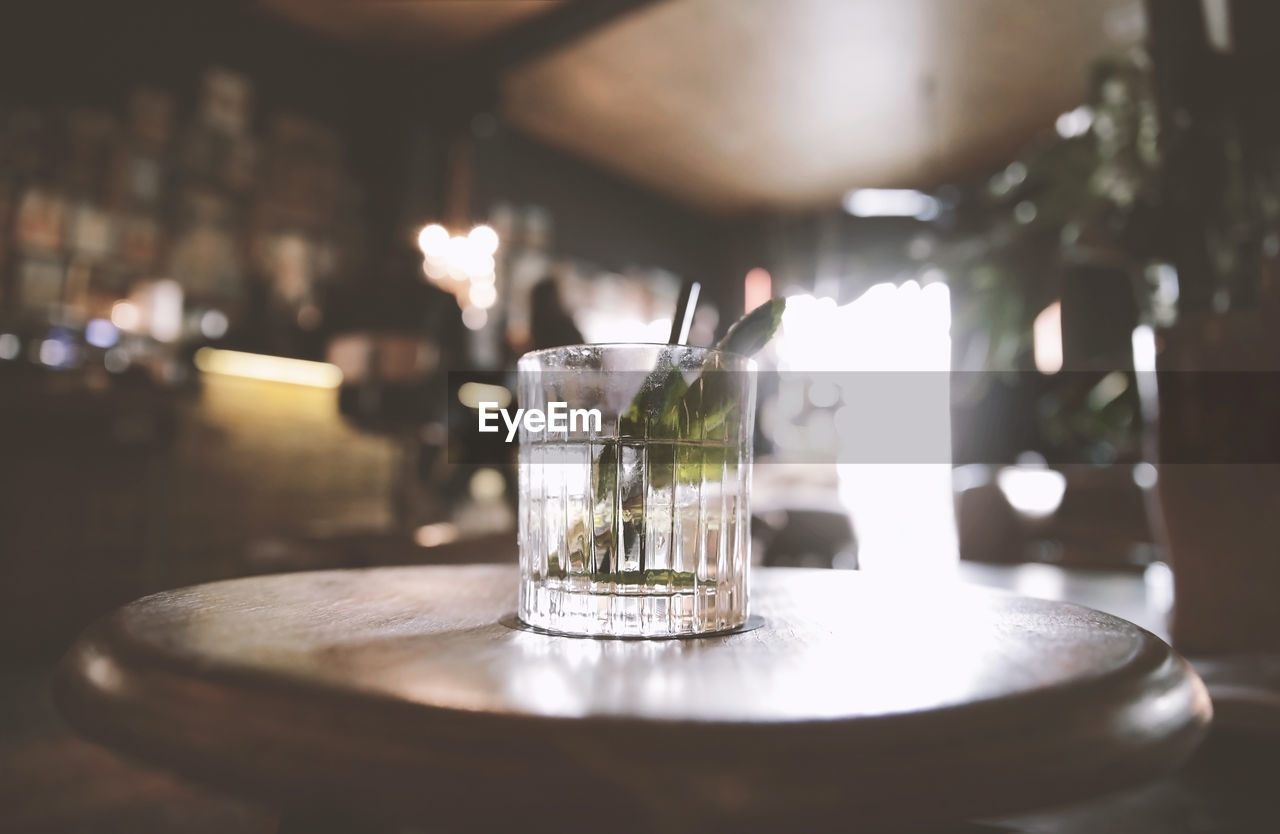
682	322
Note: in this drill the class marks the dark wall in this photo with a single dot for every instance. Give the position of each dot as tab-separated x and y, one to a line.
58	53
833	252
396	118
1220	147
600	217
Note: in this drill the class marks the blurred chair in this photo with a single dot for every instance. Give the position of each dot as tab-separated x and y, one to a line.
1097	519
809	538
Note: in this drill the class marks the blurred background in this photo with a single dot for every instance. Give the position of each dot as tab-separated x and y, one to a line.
256	257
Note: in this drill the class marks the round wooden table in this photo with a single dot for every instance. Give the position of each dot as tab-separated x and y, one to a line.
400	694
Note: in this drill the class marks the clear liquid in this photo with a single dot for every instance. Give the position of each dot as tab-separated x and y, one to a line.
634	538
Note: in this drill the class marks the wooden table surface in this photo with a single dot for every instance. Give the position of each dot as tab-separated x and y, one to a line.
400	694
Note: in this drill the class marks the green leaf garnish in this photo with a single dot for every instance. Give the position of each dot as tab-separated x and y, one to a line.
754	330
667	407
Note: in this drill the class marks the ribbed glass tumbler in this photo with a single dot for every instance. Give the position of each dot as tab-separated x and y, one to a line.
638	525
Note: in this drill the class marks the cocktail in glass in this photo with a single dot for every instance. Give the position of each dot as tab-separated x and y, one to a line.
637	525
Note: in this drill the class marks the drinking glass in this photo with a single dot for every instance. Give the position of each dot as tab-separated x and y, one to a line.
638	526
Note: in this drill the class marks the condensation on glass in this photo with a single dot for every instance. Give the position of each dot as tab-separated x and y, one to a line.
642	527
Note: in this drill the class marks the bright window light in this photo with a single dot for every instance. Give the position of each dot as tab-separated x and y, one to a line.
891	202
1074	122
1033	490
903	512
1046	339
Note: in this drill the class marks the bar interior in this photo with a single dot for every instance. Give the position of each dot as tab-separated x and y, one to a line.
640	415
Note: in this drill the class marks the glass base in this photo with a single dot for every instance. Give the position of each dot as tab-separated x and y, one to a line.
578	613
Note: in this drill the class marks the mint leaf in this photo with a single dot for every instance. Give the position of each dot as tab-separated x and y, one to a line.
754	330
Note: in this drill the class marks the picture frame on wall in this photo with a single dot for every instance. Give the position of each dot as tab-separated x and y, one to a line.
41	219
40	283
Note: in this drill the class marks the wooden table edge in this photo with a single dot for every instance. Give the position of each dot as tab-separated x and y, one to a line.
130	698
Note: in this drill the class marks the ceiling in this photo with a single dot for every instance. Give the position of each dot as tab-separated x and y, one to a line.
733	105
431	29
738	104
